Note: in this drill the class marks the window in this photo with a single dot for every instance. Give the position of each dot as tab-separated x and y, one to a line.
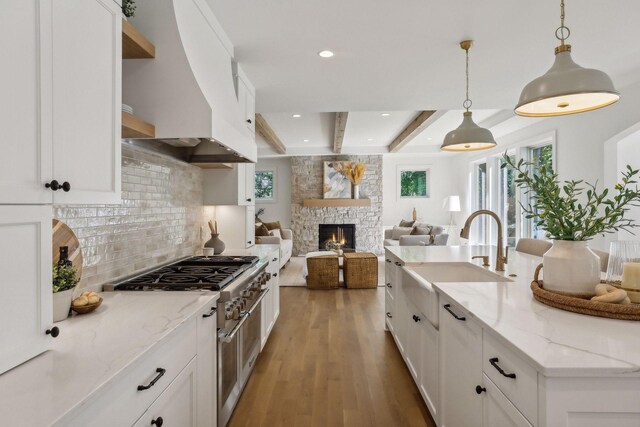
539	156
414	183
482	201
265	185
507	200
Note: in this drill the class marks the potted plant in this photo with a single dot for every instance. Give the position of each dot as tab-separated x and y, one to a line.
128	8
571	214
65	278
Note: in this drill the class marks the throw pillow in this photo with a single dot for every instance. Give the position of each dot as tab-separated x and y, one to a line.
261	230
424	225
272	225
404	223
420	231
400	231
275	233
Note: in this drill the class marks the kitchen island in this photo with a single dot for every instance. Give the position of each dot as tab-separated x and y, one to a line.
129	337
483	351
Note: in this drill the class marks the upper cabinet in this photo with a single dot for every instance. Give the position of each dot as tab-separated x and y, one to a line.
61	116
246	100
235	186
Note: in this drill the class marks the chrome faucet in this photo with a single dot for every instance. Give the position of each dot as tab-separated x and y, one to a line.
501	257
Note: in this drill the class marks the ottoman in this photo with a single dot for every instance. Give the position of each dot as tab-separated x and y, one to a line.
360	270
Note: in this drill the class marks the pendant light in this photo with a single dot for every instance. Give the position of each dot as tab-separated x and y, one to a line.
566	88
468	136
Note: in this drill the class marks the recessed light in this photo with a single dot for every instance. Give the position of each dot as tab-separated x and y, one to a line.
385	114
296	116
305	140
369	139
429	139
325	54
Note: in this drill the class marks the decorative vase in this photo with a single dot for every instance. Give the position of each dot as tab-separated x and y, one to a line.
571	267
62	304
356	191
215	243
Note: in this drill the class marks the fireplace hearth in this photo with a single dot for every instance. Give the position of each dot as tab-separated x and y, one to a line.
342	236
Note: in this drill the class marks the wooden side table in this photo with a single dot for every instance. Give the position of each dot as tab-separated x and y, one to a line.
360	270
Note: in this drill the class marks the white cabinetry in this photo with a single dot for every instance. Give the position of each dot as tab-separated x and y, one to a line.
26	284
176	406
236	225
61	113
271	301
460	367
230	186
246	100
207	366
497	410
428	367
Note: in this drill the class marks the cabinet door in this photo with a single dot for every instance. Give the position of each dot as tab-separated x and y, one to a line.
25	293
250	226
207	365
413	342
176	406
267	314
250	183
250	111
428	370
86	99
25	111
460	342
497	410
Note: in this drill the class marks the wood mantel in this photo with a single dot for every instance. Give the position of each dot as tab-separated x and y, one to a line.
335	203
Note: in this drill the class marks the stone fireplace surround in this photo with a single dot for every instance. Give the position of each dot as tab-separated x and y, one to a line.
307	183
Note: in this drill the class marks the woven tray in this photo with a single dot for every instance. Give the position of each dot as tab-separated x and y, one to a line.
582	304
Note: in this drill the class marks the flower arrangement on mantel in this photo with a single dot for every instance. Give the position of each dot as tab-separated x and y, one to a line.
354	173
572	213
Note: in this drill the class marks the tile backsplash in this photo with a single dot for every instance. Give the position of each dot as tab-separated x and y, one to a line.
159	219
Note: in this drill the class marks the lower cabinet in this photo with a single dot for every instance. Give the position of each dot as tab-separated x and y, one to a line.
497	410
428	367
176	406
460	367
207	366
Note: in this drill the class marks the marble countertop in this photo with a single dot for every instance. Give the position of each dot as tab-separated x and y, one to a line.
555	342
92	350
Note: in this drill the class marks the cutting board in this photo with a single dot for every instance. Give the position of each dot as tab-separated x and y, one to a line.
64	236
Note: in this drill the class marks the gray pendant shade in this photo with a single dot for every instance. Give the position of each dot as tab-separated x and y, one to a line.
468	137
566	88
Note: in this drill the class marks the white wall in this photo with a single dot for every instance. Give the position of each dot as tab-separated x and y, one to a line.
280	208
581	145
429	209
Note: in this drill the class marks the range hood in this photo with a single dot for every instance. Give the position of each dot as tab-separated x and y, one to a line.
188	89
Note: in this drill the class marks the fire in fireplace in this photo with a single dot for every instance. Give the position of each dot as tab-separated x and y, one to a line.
337	236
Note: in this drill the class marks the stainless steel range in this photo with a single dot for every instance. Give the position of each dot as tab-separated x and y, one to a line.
242	282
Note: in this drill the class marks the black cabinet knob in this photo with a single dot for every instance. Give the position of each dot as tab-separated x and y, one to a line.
480	389
249	121
54	332
248	200
416	318
157	422
275	274
66	187
389	285
54	185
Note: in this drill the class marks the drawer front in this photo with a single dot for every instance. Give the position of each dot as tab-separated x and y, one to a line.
274	262
389	308
497	411
518	380
120	403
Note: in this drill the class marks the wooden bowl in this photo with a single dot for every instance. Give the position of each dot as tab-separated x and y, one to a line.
84	309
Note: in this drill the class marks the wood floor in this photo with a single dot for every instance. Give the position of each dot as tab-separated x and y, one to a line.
291	275
328	362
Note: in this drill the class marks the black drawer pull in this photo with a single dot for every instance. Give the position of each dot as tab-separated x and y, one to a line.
480	389
209	314
494	362
448	308
275	259
389	315
275	274
161	372
388	260
157	422
398	264
389	285
416	318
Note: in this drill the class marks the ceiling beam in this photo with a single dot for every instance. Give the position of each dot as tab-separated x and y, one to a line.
263	128
422	121
338	132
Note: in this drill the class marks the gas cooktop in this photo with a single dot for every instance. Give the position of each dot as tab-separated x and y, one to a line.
197	273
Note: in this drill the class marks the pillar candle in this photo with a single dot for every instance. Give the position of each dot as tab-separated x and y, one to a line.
631	275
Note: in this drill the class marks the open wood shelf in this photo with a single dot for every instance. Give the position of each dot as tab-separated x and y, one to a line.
133	127
134	44
335	203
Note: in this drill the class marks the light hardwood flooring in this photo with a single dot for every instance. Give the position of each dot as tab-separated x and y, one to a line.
328	362
291	275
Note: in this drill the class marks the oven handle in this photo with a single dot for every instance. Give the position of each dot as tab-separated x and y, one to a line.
229	337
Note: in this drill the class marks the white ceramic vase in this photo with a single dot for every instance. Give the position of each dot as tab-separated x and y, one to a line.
62	304
571	267
356	191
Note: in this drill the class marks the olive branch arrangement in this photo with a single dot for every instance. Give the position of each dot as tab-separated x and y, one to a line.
566	211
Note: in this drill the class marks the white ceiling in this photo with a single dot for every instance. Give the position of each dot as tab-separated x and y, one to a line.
404	57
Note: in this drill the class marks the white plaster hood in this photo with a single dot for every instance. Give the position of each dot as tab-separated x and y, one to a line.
187	91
